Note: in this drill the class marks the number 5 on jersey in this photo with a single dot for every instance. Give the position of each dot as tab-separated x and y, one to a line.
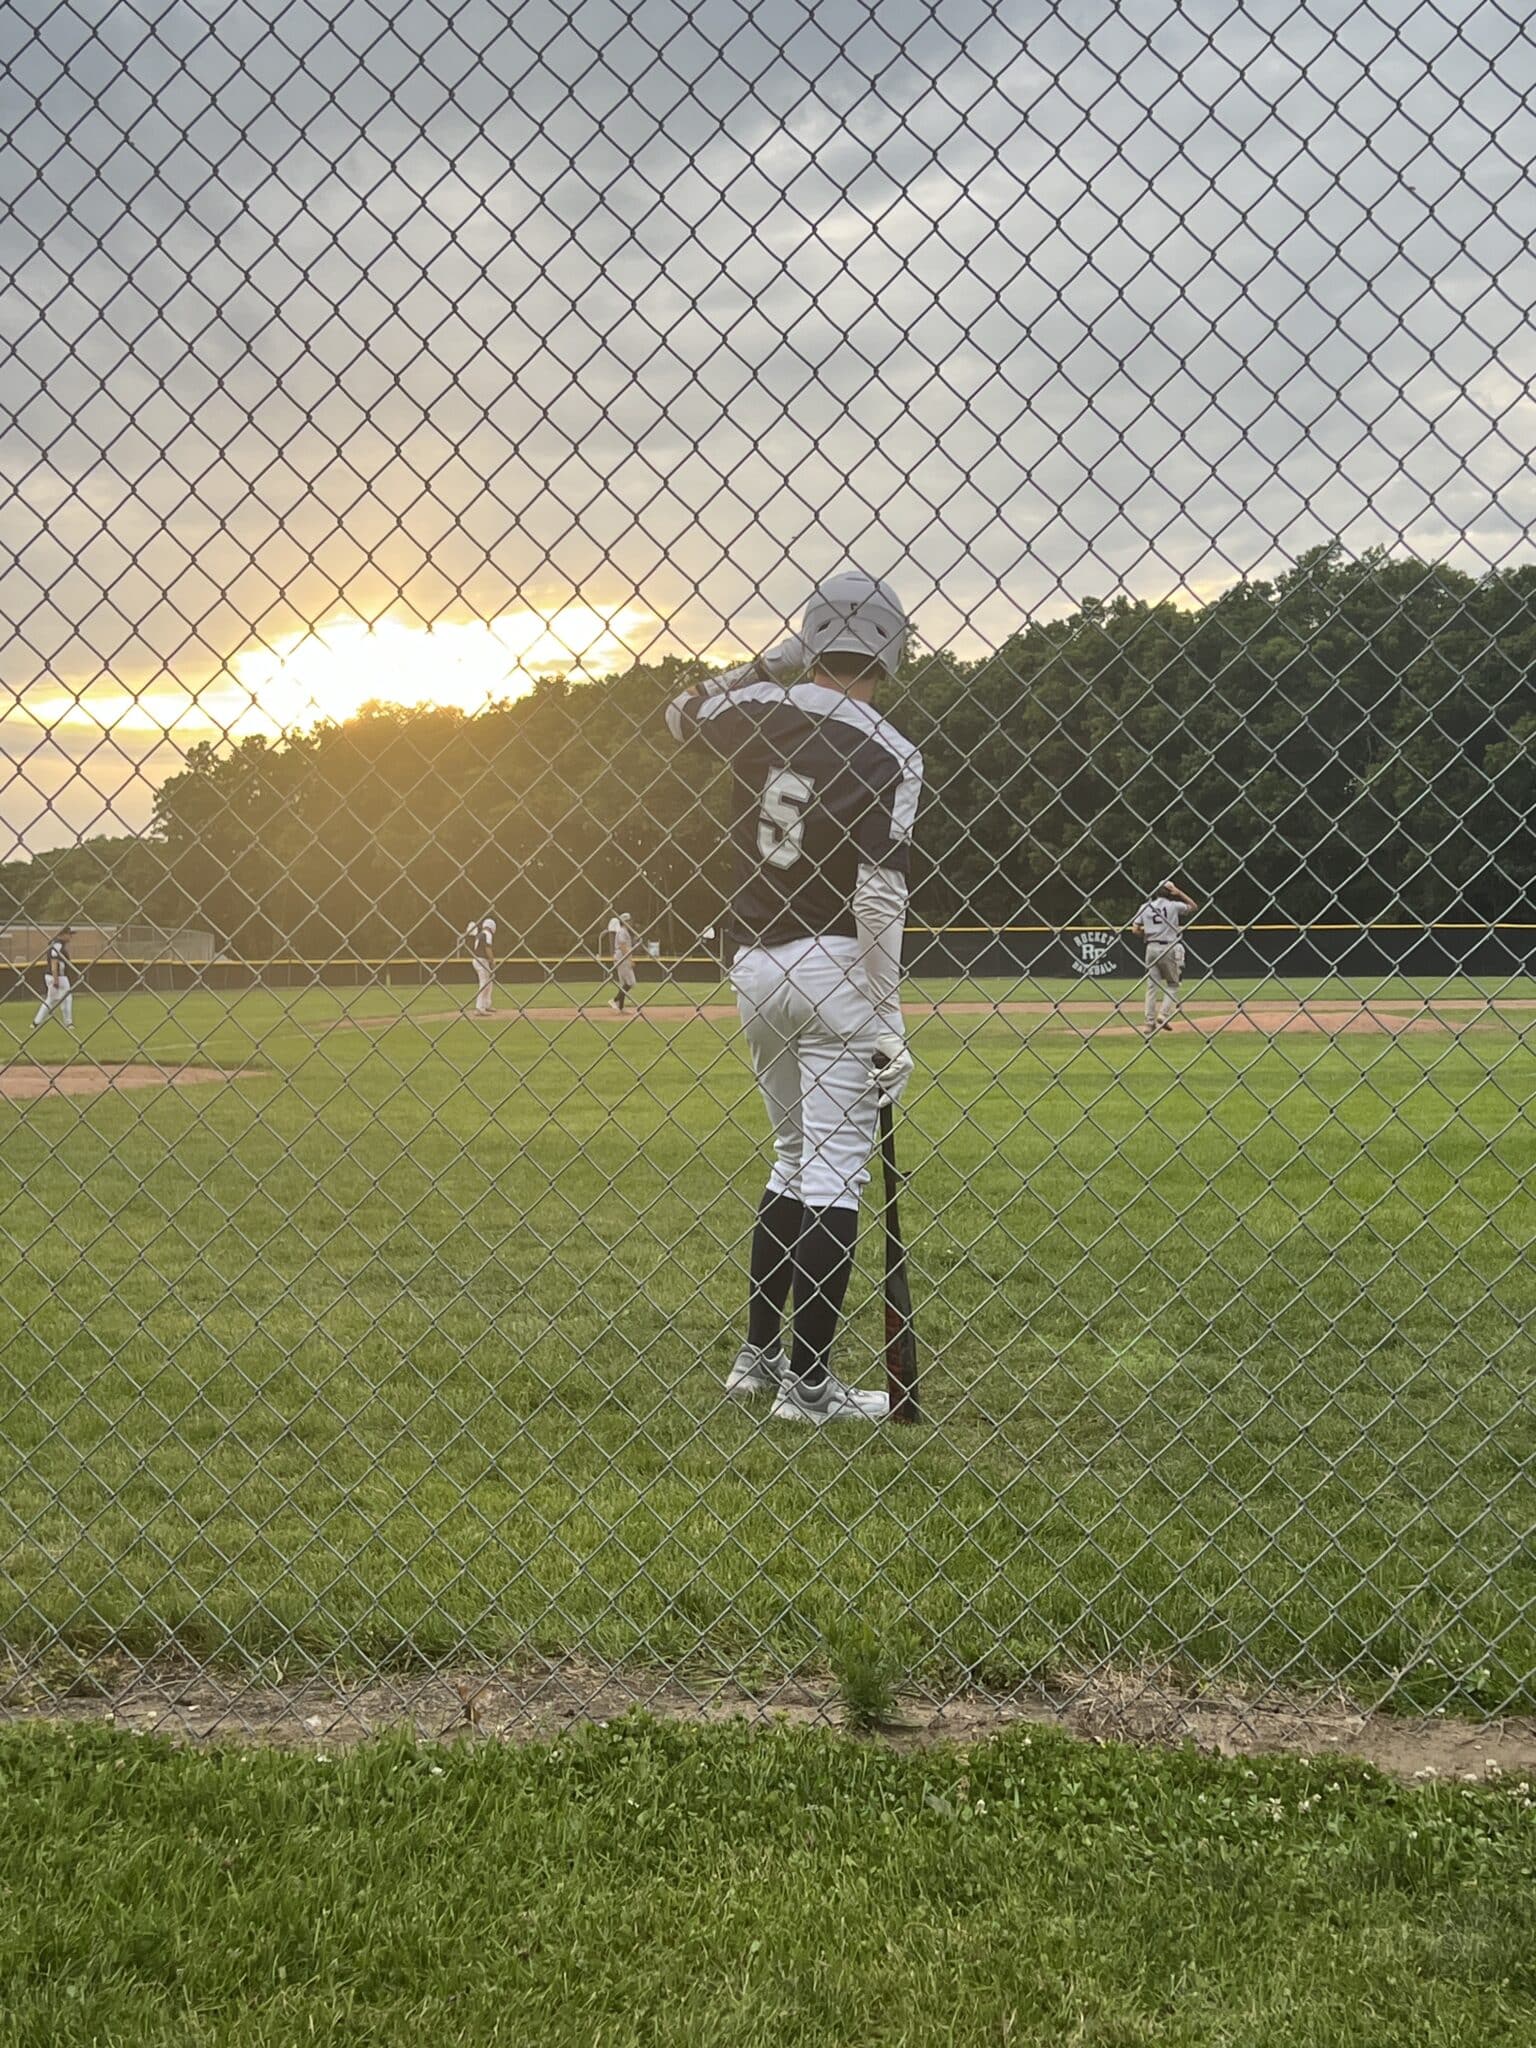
781	816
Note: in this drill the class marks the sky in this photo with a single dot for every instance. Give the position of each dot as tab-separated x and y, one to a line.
354	352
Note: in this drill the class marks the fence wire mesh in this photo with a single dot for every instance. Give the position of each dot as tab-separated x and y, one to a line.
404	406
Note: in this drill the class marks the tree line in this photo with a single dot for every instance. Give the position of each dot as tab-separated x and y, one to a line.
1353	740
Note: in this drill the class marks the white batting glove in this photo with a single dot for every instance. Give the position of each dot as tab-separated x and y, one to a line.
785	660
778	665
890	1067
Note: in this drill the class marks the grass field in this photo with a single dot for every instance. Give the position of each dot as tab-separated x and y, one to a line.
646	1884
408	1346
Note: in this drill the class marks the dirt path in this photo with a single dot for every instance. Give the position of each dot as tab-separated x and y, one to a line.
193	1705
31	1084
1390	1015
1271	1019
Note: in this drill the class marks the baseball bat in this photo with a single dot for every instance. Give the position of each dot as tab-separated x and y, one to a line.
900	1332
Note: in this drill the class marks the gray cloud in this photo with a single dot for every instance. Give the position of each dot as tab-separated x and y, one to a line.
318	311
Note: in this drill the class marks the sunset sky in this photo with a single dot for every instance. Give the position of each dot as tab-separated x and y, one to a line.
599	332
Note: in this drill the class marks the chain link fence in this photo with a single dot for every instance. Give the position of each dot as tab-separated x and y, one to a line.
402	407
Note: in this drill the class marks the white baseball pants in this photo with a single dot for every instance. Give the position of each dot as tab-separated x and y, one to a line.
1165	968
811	1031
56	996
483	976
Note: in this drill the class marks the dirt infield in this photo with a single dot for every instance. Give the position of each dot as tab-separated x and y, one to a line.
31	1084
1389	1017
1332	1020
1271	1019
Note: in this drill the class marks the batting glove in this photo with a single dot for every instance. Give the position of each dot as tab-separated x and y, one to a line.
784	661
891	1065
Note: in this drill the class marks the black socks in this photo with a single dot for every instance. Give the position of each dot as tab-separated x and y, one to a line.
823	1262
811	1251
779	1222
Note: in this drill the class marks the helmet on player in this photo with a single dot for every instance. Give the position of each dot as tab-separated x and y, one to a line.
851	613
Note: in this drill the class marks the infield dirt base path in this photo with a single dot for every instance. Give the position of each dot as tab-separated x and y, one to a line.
31	1084
1391	1016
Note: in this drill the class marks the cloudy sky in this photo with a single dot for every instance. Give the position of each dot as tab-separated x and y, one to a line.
601	330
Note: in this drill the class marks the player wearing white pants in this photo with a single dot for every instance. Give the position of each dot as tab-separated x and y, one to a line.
1159	921
625	945
812	1033
481	938
827	794
58	998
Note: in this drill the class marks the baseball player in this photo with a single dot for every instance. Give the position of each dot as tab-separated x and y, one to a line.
1160	922
826	793
481	940
58	981
625	946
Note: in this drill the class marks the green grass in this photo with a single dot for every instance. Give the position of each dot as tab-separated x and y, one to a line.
645	1884
409	1347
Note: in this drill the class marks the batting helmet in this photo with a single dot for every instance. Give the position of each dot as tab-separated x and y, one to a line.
851	613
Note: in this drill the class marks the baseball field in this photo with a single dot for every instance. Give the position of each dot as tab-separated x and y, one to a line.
400	1340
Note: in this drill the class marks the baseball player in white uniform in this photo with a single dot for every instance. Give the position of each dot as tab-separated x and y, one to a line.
1160	922
58	983
481	939
826	794
625	945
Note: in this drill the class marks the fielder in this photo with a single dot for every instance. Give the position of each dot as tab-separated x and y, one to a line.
58	984
481	940
1160	922
826	796
625	946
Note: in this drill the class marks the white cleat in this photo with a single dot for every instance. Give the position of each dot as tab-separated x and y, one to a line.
756	1372
832	1401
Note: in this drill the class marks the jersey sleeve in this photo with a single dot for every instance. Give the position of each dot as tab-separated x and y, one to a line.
722	718
883	830
880	910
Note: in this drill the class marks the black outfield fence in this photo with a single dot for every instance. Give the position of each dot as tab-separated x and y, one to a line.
1075	953
1233	952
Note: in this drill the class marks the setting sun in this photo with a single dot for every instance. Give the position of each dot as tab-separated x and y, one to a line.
333	669
336	668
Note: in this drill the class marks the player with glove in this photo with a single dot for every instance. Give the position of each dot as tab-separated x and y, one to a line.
1160	922
826	794
481	941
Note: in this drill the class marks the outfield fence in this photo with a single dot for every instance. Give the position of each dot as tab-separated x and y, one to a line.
1501	955
402	408
120	945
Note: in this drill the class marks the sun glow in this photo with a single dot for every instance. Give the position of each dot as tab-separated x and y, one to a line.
333	669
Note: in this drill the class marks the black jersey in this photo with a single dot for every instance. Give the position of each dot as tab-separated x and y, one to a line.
58	959
823	786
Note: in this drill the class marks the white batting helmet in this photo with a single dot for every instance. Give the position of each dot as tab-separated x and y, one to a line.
851	613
